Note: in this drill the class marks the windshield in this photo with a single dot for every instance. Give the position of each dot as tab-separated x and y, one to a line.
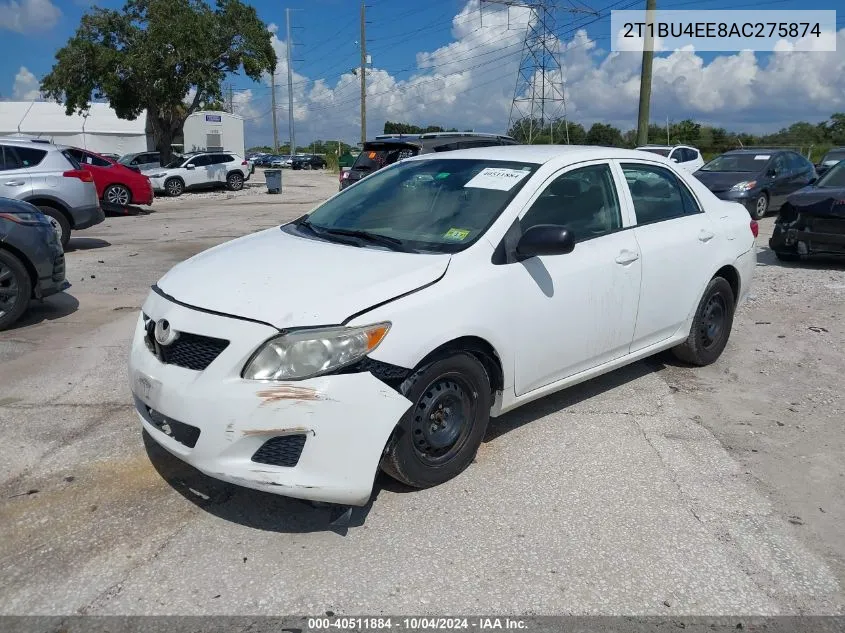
738	162
831	158
441	205
835	177
656	150
177	162
373	159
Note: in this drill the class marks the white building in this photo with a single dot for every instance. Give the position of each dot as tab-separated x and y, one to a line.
99	130
208	131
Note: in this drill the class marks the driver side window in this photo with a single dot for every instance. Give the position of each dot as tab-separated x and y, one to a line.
583	200
779	165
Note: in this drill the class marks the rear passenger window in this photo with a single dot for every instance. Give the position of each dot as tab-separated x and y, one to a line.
657	194
29	156
8	159
583	200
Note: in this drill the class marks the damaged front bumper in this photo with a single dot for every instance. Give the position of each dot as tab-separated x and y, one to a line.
806	235
319	439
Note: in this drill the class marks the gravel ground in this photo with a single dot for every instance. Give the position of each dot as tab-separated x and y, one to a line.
657	489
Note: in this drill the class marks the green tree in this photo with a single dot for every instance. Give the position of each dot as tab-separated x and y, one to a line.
153	53
604	134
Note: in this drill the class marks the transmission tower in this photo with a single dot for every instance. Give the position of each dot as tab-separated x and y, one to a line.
539	96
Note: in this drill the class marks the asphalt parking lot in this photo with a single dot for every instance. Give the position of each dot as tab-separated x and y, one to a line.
657	489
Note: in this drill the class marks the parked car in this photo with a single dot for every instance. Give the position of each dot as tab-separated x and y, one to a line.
116	184
759	179
32	261
277	162
37	171
380	153
201	170
143	161
687	157
436	293
812	222
830	159
309	161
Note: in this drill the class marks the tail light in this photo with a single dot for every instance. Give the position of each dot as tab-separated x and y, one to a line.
244	163
82	174
755	228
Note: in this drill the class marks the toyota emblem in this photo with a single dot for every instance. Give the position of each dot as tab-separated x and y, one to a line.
164	334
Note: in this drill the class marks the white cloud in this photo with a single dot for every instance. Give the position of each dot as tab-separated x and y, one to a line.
469	83
28	16
26	86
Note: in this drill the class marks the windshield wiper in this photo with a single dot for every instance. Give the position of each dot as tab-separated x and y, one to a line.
374	238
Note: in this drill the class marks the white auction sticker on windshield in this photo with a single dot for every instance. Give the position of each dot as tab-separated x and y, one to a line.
497	178
762	157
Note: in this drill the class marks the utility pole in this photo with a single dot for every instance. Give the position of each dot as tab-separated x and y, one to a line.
231	100
273	100
668	142
363	74
290	90
645	75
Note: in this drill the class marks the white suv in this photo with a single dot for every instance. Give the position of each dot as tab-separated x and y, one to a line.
688	158
201	170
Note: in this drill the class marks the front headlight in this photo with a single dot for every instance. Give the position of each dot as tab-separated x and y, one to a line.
311	352
745	185
26	218
156	175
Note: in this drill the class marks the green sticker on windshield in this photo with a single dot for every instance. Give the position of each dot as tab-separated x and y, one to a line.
456	234
442	175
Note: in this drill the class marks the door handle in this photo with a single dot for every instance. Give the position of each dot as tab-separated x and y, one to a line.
14	183
706	236
627	257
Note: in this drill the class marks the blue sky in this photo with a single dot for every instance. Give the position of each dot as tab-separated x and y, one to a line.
472	58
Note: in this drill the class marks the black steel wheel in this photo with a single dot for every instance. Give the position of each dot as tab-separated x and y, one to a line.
15	289
174	187
711	326
439	435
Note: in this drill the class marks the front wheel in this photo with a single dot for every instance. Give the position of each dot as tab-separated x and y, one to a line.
711	326
15	288
761	207
439	435
174	187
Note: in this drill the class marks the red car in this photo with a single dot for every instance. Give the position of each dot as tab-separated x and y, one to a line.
116	183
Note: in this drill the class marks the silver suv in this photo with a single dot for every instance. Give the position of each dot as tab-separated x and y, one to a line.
38	172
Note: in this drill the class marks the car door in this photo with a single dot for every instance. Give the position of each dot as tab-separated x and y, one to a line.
676	240
577	310
200	174
801	172
217	168
15	181
780	178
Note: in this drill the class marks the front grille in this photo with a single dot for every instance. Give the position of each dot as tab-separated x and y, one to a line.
185	434
280	451
191	351
59	268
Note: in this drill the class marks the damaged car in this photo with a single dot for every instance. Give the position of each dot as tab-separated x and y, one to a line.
812	222
385	328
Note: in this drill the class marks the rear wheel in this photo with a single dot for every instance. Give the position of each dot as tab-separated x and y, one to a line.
60	223
711	326
15	289
235	181
439	436
117	194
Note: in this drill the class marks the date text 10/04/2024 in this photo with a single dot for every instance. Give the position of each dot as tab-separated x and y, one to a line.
413	623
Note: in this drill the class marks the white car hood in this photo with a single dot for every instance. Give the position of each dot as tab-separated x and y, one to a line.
289	281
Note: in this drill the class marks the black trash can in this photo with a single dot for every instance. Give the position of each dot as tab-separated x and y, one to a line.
274	180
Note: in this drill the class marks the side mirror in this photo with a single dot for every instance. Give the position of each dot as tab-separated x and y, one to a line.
190	167
545	239
674	160
772	172
812	180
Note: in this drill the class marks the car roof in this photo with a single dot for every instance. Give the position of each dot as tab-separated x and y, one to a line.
24	141
540	154
758	150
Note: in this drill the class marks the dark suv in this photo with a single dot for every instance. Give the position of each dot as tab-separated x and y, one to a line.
310	161
386	151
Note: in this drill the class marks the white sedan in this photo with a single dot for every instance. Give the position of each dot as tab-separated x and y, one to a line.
386	327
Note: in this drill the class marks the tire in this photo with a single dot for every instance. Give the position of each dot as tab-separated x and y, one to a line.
60	223
422	453
235	181
787	257
15	289
117	194
761	206
711	326
174	187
